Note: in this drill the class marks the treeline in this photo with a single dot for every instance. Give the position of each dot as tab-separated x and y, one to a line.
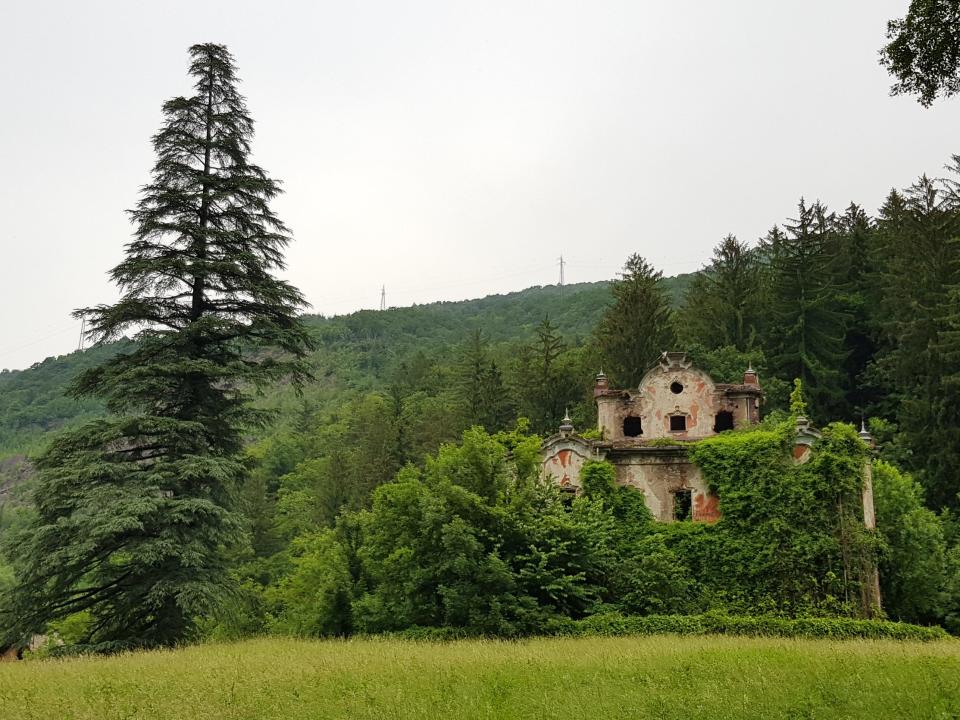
473	541
861	309
188	509
865	311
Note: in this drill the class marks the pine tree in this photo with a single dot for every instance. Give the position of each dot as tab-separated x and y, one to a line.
639	324
133	513
807	326
721	305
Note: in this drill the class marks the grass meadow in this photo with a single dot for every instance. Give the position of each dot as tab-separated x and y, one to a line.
596	678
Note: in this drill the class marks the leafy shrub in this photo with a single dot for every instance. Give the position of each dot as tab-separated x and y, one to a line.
615	624
912	560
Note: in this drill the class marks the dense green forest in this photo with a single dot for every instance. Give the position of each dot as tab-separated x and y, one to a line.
236	467
359	350
395	393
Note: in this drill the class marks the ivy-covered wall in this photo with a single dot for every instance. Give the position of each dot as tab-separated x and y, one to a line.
791	538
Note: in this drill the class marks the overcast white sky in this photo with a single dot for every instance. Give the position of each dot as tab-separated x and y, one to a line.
450	150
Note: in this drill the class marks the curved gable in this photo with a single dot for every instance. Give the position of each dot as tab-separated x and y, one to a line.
563	457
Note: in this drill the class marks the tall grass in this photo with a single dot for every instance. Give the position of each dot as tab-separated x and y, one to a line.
597	678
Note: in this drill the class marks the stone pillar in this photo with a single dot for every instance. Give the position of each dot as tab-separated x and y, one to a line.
872	604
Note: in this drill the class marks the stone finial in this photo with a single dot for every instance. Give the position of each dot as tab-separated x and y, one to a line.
864	434
566	427
601	384
750	375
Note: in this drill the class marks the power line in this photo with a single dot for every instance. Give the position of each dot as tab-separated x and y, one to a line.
14	348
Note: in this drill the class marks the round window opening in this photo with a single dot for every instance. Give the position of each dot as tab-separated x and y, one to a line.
676	388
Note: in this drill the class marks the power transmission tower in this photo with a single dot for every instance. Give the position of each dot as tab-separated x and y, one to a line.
562	264
383	297
83	331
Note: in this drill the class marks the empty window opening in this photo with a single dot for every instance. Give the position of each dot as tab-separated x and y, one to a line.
678	423
632	427
676	388
723	421
683	505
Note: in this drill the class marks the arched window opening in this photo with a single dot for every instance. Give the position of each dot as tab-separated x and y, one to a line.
632	427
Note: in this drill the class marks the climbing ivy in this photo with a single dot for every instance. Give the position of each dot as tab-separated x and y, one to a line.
791	539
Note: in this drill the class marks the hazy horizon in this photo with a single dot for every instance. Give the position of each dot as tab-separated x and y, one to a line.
451	151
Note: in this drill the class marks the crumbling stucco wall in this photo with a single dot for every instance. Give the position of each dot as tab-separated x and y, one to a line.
674	400
659	476
564	461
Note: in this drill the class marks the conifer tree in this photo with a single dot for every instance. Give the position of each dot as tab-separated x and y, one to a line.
481	386
133	512
918	357
721	305
851	247
544	385
638	326
472	370
807	326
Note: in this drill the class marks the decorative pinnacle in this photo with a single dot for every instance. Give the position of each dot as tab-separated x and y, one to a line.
567	425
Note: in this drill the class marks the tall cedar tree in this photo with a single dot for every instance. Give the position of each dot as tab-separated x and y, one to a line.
721	305
806	324
923	54
639	324
134	512
918	358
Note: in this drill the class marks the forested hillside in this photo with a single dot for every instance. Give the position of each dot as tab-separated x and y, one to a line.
358	347
442	406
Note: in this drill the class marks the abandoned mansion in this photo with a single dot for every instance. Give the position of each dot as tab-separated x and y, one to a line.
674	401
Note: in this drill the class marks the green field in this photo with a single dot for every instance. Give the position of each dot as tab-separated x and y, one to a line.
597	678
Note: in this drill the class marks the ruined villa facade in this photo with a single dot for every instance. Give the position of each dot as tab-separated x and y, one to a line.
674	401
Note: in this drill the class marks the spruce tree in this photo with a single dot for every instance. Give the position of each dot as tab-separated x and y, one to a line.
721	305
134	512
807	325
851	247
919	358
481	387
544	383
638	326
